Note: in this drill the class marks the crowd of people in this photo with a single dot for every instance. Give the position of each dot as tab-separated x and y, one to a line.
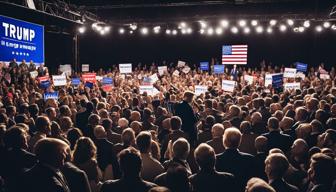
253	139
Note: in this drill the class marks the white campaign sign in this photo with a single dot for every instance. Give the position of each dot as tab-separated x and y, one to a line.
59	80
268	79
199	89
300	75
176	73
289	73
181	64
249	79
228	85
99	78
146	88
33	74
186	69
162	70
290	86
154	78
125	68
65	69
85	67
324	76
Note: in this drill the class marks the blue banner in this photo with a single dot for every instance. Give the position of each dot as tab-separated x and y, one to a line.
75	81
302	67
21	40
88	84
51	95
277	81
44	84
107	81
204	66
218	69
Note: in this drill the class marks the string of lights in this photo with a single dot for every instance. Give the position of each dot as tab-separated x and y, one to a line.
241	26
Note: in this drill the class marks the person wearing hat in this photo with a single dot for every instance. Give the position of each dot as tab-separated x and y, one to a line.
185	111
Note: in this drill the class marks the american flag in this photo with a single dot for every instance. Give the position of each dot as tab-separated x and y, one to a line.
234	54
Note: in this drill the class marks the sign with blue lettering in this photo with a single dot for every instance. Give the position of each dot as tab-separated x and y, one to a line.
44	84
21	40
218	69
277	80
204	66
75	81
302	67
88	84
107	81
51	95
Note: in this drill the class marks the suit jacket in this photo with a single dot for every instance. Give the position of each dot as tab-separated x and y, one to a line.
247	143
281	186
127	185
82	119
76	178
278	140
106	156
217	145
241	165
189	120
212	181
42	178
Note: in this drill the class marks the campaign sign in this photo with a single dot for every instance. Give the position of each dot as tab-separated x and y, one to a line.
107	87
228	85
75	81
249	79
88	84
44	84
85	67
324	76
302	67
125	68
289	73
199	89
89	77
107	81
162	70
65	69
268	79
33	74
292	86
146	88
218	69
204	66
181	64
153	78
186	69
277	80
59	80
21	40
99	78
44	78
51	95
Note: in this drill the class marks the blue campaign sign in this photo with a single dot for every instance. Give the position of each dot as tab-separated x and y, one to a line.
21	40
107	81
51	95
75	81
218	69
88	84
204	66
44	84
277	81
302	67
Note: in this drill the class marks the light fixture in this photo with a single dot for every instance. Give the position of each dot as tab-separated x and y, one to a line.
247	30
326	24
290	22
203	24
306	24
269	30
210	31
296	29
283	28
107	28
157	29
82	29
133	26
224	23
102	32
168	31
219	30
273	22
333	27
183	31
202	31
301	29
254	22
242	23
234	30
259	29
144	31
121	30
189	30
174	32
131	32
183	24
318	28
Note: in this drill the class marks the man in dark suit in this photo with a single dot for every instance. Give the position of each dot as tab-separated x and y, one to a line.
208	179
216	142
185	111
275	138
241	165
76	178
276	165
16	159
83	116
130	165
46	174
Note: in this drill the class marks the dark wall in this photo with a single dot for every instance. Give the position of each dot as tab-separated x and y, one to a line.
278	48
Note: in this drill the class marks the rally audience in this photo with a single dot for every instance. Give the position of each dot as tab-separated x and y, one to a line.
89	138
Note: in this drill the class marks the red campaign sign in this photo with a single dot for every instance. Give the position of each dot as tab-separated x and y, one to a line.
89	77
44	78
107	88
